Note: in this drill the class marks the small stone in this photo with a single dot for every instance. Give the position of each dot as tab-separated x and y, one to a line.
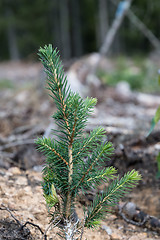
130	209
38	168
115	236
8	174
21	97
123	88
21	180
140	236
107	229
14	170
111	217
10	181
28	190
133	238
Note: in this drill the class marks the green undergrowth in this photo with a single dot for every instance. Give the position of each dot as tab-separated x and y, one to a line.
6	83
16	86
140	73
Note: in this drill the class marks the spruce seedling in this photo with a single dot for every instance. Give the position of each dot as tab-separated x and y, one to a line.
74	161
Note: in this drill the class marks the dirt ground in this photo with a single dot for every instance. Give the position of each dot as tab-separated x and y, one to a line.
25	111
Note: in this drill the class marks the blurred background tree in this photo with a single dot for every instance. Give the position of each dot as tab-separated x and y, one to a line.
76	27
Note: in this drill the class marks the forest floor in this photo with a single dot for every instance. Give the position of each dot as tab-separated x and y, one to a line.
25	111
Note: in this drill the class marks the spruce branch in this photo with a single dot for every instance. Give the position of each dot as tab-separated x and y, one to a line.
45	146
110	197
90	141
105	174
103	151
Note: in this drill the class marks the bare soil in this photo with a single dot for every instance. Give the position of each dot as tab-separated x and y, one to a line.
25	112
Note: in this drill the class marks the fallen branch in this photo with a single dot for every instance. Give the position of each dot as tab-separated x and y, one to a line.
17	143
3	207
8	210
138	217
142	27
33	224
129	220
18	136
104	49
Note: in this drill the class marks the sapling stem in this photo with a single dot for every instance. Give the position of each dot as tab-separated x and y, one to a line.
68	205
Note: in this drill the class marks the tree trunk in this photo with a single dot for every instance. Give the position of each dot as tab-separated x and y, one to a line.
121	11
104	49
55	22
142	27
64	29
11	36
103	21
76	28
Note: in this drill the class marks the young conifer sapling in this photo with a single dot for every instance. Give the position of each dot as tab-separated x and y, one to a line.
74	161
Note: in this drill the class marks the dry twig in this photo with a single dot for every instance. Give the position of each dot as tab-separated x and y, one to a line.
17	143
19	223
8	210
129	220
44	234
